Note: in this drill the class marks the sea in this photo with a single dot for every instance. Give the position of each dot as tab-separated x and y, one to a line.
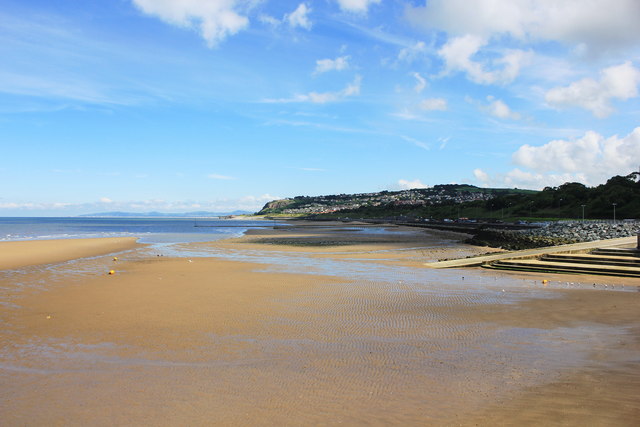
147	230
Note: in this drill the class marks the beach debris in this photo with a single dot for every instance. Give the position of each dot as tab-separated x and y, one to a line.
112	272
115	258
190	261
48	316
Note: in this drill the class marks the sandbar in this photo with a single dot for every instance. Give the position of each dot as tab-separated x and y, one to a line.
34	252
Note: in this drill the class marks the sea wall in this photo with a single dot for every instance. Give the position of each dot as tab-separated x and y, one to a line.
554	234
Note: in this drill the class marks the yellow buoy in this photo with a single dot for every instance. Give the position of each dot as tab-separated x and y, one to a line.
115	258
112	272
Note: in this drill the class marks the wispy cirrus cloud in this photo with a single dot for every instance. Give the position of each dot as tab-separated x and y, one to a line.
352	89
71	79
416	142
311	169
220	177
421	82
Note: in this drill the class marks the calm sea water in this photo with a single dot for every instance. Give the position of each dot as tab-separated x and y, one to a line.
148	230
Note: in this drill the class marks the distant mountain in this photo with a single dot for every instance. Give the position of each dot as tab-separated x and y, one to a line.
196	214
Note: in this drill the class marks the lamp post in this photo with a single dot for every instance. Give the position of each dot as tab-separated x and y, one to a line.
583	212
614	211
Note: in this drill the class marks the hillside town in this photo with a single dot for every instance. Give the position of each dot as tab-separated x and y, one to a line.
439	194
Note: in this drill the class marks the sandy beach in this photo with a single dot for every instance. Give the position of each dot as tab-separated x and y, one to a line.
36	252
302	326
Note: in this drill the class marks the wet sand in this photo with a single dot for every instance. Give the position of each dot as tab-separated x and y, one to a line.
209	338
395	246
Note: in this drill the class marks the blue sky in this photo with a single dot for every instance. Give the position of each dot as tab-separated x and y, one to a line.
182	105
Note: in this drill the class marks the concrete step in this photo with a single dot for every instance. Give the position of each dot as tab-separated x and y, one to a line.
627	252
528	253
593	259
565	267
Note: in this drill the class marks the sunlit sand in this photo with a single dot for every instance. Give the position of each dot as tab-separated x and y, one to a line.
370	337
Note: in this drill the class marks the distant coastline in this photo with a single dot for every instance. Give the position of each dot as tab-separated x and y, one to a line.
197	214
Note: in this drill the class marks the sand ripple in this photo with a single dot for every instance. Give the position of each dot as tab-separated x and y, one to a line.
212	342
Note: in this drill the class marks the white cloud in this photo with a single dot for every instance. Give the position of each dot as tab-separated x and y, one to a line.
481	176
214	20
338	64
404	184
220	177
592	159
354	87
34	206
269	20
299	18
523	179
357	6
592	23
499	109
617	82
252	202
406	114
411	53
422	83
458	55
248	203
433	104
351	89
105	200
443	142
